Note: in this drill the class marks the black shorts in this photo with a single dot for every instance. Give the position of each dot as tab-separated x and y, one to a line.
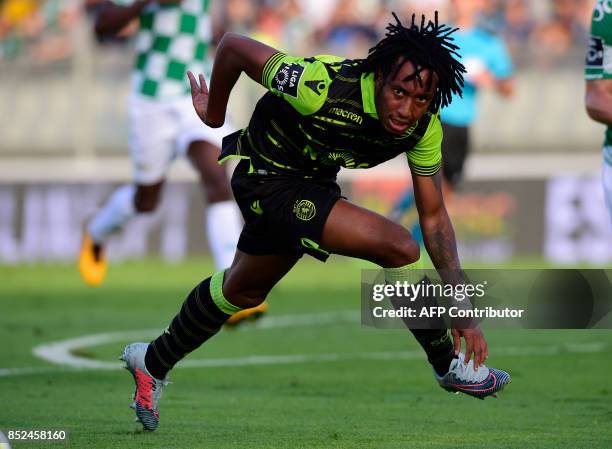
455	148
282	214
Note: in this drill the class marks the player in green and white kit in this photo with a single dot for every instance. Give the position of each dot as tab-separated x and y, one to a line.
598	74
174	37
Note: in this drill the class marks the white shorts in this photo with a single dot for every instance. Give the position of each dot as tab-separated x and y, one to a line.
160	131
607	186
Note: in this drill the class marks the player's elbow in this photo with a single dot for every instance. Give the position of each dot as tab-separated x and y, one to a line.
592	112
103	27
595	112
214	123
229	44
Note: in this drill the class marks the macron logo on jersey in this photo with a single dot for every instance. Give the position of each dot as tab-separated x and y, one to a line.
347	114
287	79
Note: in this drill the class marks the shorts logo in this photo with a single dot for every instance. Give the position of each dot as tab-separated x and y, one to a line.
256	207
305	210
287	79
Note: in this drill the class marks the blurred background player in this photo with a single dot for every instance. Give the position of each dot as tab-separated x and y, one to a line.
174	36
599	85
488	64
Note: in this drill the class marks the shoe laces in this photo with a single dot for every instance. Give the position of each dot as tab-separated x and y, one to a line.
467	373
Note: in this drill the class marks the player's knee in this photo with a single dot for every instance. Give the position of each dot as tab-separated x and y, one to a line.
146	203
216	189
401	251
245	299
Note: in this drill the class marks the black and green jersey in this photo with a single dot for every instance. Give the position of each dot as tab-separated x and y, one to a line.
320	115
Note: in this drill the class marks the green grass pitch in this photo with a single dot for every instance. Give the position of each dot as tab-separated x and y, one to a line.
318	383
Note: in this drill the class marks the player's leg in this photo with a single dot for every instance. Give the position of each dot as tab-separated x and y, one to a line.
151	150
356	232
212	302
123	204
201	316
223	223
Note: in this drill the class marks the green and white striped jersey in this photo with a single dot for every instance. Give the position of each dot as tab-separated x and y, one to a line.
171	40
599	56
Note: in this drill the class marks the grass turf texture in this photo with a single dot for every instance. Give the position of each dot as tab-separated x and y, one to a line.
562	400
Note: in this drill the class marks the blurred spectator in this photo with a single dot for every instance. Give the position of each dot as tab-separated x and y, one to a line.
347	33
546	33
518	27
299	28
240	15
492	16
559	40
270	28
38	29
419	7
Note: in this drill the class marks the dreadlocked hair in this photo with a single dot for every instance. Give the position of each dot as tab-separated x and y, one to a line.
428	46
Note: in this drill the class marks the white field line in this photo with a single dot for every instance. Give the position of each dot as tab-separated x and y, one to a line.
61	353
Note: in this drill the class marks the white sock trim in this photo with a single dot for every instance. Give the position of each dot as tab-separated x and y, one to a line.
115	213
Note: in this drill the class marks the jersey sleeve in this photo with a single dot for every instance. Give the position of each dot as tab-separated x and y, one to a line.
599	53
302	82
425	159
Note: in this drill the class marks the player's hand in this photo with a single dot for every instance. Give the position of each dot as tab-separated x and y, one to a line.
475	344
199	95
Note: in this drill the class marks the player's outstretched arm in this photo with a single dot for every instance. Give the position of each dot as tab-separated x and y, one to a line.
113	18
598	100
440	242
235	54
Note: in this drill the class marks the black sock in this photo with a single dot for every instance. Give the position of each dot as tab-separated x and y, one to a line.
434	339
438	347
198	320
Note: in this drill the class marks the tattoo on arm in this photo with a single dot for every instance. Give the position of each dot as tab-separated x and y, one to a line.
440	239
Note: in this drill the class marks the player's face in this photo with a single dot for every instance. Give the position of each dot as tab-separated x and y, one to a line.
399	103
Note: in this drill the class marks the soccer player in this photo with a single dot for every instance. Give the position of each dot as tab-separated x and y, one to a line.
174	36
488	66
599	85
320	114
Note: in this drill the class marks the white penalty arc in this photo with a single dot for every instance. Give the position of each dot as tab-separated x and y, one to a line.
62	352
